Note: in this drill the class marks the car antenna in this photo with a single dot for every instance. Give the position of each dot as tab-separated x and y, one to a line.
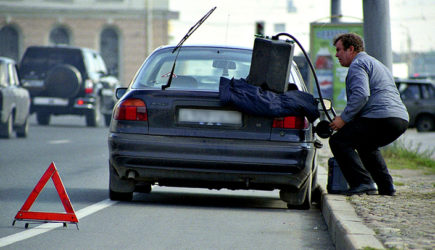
191	30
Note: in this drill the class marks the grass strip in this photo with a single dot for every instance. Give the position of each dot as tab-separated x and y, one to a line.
401	155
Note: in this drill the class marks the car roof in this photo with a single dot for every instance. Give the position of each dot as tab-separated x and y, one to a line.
413	81
206	46
61	46
422	75
6	59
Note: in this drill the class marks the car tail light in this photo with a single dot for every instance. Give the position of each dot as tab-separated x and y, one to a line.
290	122
89	87
131	110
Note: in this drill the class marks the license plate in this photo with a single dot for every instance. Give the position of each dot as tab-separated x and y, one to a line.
210	117
52	101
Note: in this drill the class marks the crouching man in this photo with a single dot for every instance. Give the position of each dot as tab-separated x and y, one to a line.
373	117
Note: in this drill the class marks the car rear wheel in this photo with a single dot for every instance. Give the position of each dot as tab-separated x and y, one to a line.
293	197
316	191
6	128
94	115
120	189
43	118
107	119
23	130
143	188
425	124
118	196
316	195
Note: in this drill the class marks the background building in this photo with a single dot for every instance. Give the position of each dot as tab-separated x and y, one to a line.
234	23
124	31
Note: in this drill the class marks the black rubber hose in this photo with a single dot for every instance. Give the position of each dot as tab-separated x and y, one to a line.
276	37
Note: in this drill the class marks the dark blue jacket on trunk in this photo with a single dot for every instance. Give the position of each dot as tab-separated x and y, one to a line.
256	101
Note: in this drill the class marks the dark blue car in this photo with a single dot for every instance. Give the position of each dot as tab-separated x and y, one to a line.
185	136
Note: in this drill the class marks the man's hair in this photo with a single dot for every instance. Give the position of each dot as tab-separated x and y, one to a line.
350	39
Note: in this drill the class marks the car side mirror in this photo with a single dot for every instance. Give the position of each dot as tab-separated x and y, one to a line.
120	92
326	102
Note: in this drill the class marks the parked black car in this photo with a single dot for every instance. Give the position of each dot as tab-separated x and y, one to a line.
419	98
184	136
68	80
14	101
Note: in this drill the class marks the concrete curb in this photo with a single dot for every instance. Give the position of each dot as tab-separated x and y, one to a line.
346	229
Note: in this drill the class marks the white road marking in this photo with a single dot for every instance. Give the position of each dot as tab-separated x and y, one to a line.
59	141
46	227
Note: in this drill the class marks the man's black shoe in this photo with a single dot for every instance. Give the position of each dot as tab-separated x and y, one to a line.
391	191
362	189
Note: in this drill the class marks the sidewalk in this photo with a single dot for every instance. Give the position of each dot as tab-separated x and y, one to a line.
405	221
346	229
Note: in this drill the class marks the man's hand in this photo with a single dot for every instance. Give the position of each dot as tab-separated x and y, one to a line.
337	123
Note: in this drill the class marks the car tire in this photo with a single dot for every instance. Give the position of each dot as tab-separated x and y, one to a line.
119	189
425	123
6	128
307	201
23	130
291	196
63	81
316	195
118	196
43	118
93	116
143	188
107	119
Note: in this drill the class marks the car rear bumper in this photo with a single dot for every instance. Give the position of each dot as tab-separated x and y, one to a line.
79	105
209	162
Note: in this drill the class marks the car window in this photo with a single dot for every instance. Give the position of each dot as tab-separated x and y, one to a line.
295	79
92	67
409	91
428	92
101	65
94	64
42	59
13	78
196	68
3	75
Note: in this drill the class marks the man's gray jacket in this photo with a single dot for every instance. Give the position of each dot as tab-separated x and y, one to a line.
371	91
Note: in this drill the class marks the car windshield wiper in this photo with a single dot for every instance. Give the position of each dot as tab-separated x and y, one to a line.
190	32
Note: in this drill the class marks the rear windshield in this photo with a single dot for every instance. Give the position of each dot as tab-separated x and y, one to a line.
41	60
196	68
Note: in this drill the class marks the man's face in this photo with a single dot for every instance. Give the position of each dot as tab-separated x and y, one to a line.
345	56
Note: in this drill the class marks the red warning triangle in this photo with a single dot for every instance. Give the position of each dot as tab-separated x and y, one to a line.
69	216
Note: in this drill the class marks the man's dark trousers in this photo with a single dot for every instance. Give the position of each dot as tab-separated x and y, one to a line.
356	149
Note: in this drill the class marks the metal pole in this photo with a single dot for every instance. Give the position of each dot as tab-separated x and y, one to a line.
377	32
149	26
336	11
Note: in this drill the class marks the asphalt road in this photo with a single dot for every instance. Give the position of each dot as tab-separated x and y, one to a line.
168	218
